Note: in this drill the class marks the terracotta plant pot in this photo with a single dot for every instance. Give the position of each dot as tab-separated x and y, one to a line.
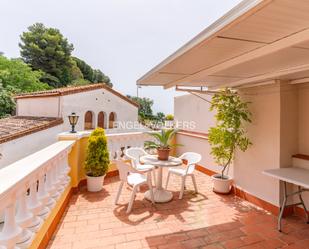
163	154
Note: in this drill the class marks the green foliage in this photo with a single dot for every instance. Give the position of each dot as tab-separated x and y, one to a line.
7	104
229	133
18	76
46	49
169	117
160	116
92	75
164	139
97	160
145	107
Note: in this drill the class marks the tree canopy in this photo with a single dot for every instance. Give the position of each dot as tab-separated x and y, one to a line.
48	50
145	106
16	77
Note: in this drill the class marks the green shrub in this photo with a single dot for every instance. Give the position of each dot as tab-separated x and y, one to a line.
97	160
169	117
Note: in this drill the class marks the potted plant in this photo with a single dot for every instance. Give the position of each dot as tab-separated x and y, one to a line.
163	143
97	160
228	135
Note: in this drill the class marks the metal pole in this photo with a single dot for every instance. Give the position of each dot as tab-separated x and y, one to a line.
282	207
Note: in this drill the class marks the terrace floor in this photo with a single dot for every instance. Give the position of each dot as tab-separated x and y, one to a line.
204	220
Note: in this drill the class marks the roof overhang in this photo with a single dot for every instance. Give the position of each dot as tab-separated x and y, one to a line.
257	41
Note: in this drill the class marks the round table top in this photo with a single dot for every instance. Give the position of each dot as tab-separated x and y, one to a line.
153	160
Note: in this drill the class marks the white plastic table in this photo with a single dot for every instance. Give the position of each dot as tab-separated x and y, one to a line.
296	176
160	194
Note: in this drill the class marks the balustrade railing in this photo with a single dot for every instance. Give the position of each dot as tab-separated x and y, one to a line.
29	189
118	143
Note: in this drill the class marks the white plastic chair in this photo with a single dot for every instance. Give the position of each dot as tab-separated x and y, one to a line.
134	155
192	158
134	178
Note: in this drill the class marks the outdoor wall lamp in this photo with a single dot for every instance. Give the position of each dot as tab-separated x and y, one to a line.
73	118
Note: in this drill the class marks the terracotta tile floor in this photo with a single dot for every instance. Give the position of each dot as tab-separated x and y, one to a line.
204	220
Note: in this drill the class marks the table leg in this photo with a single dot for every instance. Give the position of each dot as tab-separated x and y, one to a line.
160	194
282	207
303	203
159	179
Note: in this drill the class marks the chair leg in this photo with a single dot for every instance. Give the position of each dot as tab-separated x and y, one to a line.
167	180
132	199
194	183
183	180
118	193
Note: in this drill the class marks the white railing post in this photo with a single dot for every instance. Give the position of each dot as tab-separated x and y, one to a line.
11	232
25	219
50	188
54	180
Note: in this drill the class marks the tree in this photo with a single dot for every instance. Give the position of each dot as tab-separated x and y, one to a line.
92	75
46	49
7	104
160	116
145	106
229	133
16	76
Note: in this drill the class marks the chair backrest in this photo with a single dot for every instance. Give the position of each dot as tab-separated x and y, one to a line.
192	159
124	169
134	154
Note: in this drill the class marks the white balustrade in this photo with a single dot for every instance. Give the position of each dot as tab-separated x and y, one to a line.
118	142
29	189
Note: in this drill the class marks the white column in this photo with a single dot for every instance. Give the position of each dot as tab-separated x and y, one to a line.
25	219
11	232
54	181
50	188
33	204
43	196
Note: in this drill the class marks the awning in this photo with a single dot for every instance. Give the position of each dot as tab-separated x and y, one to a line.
257	41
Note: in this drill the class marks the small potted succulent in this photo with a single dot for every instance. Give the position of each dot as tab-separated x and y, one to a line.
97	160
228	135
163	143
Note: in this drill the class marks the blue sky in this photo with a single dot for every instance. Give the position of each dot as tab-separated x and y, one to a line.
123	38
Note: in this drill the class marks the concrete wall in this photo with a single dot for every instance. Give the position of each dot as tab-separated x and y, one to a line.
96	101
21	147
192	108
39	107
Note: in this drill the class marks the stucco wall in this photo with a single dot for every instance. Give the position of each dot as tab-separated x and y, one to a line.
192	108
21	147
200	146
96	101
38	107
264	133
303	117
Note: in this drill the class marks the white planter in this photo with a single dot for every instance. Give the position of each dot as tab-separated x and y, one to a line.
95	184
221	186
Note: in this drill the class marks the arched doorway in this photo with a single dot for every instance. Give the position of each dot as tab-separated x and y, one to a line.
88	125
101	120
111	120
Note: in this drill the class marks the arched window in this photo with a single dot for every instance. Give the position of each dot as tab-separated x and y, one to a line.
88	120
101	120
111	120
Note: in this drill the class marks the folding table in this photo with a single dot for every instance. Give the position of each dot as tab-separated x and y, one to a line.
293	175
